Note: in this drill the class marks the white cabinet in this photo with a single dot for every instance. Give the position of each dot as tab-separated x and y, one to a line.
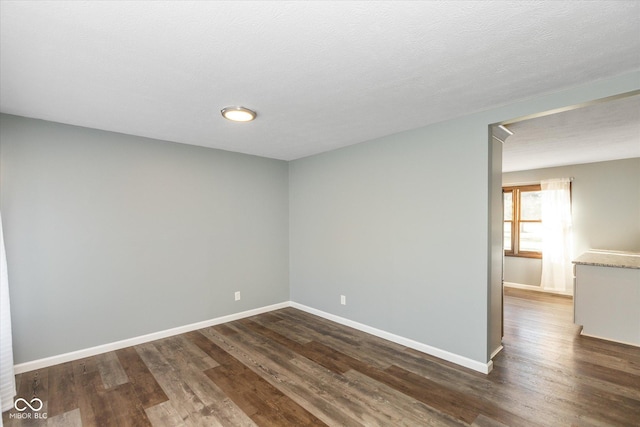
607	302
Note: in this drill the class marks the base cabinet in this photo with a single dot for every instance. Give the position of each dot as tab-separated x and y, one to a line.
607	302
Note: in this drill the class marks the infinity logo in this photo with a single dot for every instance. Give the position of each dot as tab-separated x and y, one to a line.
28	404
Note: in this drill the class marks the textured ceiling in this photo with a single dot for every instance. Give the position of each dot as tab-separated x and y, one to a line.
605	131
321	75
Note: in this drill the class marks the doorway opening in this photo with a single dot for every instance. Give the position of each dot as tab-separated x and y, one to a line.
597	145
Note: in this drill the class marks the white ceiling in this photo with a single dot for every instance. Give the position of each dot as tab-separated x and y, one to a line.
604	131
321	75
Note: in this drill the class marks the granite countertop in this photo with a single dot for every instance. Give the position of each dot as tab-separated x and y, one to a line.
602	258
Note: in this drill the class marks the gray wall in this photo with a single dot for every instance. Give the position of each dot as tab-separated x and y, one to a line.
375	223
111	236
605	209
523	271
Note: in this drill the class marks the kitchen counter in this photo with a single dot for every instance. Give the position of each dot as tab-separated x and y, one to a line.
602	258
606	297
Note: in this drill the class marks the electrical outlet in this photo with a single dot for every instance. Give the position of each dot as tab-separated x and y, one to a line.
343	300
238	296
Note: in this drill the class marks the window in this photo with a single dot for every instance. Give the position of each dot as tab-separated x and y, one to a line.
523	221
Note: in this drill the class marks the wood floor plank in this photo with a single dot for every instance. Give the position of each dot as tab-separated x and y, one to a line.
126	407
439	395
270	318
278	324
180	353
262	402
35	384
598	346
95	409
483	421
257	398
605	373
356	345
145	386
311	350
318	328
62	385
496	389
86	377
131	362
556	376
66	419
190	408
110	370
164	415
214	399
363	407
265	362
564	390
403	411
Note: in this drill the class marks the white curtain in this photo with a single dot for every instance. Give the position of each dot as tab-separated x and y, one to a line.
7	378
557	270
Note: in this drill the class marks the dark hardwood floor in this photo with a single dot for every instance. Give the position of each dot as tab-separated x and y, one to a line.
290	368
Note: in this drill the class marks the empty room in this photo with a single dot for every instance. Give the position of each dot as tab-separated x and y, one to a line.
318	213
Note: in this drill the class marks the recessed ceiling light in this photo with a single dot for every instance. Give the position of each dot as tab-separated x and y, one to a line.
238	114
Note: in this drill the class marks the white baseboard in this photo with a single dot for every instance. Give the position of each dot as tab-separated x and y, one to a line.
92	351
484	368
609	339
496	351
534	288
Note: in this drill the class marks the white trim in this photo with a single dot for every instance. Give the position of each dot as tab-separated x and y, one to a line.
92	351
520	184
496	351
484	368
534	288
609	339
